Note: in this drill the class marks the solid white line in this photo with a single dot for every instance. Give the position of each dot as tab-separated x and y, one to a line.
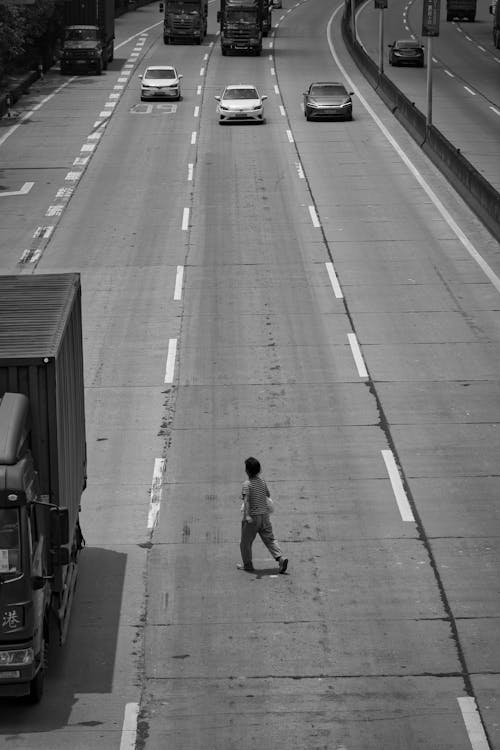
156	492
314	216
129	727
178	283
473	723
397	486
358	357
334	281
185	220
24	190
170	367
495	280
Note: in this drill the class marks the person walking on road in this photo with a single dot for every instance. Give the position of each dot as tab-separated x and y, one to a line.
255	521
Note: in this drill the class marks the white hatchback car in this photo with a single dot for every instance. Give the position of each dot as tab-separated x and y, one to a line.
240	101
160	82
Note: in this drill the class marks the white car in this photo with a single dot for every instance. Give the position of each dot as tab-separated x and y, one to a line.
240	101
160	82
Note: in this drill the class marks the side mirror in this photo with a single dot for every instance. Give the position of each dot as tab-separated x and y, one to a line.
217	98
180	75
218	16
59	527
264	97
140	77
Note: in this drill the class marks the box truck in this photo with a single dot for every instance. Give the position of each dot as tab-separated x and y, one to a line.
89	33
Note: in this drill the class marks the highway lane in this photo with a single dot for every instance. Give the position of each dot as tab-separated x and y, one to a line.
369	641
466	70
354	647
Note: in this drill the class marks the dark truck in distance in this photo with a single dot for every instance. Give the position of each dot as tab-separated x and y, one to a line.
184	20
462	10
89	33
42	470
241	26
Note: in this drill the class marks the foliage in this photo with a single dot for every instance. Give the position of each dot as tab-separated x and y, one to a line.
26	32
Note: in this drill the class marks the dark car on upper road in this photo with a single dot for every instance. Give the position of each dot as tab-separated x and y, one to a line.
327	99
406	52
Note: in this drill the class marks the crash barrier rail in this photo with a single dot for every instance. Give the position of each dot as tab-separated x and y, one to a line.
476	191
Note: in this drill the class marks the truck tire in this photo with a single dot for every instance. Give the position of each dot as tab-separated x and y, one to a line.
38	682
98	68
64	70
112	53
224	51
166	40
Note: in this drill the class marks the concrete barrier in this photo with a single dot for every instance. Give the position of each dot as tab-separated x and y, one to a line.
477	192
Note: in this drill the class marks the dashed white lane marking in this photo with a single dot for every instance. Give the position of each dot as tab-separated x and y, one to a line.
473	723
190	172
196	111
461	236
448	73
495	110
156	492
202	71
273	72
170	366
282	110
73	176
205	56
358	357
334	281
397	486
193	137
178	283
300	170
314	216
55	210
289	136
276	89
198	90
470	90
185	220
129	727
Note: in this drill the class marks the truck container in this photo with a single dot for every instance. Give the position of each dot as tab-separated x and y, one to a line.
42	470
495	11
461	10
241	26
89	33
184	20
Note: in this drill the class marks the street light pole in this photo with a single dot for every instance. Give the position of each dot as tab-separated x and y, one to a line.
429	82
381	41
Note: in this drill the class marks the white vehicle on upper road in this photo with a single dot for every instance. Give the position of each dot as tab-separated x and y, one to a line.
240	101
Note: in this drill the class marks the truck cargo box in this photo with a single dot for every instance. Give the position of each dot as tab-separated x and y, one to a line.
41	356
91	13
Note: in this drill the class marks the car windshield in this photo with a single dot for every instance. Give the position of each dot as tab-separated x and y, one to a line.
159	73
81	35
327	89
407	44
178	6
245	17
240	94
10	541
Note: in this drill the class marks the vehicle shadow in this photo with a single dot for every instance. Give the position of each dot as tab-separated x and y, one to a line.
85	664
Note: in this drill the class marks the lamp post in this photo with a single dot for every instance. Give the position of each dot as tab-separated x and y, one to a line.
381	4
430	27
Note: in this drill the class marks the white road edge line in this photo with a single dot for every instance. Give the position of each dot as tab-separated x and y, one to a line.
170	366
129	727
178	283
358	357
397	487
473	723
495	280
334	281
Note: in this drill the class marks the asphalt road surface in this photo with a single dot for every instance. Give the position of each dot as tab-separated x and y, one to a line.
295	291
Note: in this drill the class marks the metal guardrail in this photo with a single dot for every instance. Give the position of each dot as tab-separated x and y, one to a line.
476	191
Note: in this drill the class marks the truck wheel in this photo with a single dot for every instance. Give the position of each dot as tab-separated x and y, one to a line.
224	52
166	40
64	70
37	684
98	68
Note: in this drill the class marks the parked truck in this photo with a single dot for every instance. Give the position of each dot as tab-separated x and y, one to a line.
495	11
461	10
89	33
184	20
240	26
42	470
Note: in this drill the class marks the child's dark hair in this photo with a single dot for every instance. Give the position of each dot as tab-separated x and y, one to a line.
252	466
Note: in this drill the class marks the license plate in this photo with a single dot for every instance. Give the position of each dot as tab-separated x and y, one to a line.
10	675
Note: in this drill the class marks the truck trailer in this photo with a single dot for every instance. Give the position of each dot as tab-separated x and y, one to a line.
461	10
495	11
241	26
89	33
184	20
43	470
